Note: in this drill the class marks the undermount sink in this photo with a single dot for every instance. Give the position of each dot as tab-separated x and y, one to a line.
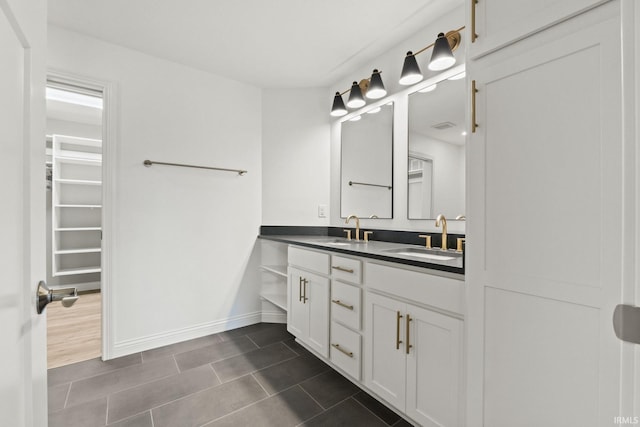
424	253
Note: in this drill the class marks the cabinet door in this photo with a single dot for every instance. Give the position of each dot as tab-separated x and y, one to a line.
433	367
501	22
316	292
385	357
298	310
546	194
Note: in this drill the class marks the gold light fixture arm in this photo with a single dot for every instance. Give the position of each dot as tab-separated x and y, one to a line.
453	37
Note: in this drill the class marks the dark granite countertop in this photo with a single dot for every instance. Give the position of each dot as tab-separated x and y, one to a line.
401	253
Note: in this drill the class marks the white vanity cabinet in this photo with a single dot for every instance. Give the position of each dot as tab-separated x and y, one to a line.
413	355
346	315
308	298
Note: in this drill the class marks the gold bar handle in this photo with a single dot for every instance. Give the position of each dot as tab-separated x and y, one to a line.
398	341
474	35
304	291
341	304
474	124
408	346
346	270
341	350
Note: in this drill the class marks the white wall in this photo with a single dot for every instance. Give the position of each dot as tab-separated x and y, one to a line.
295	156
390	63
182	237
448	173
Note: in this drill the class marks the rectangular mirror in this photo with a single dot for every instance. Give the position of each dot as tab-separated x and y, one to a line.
366	174
436	157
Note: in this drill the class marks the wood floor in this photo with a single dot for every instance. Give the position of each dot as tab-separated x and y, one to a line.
74	333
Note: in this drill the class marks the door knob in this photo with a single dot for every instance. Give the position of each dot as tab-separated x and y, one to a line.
626	323
44	295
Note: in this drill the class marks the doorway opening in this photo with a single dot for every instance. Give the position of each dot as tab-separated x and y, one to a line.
74	219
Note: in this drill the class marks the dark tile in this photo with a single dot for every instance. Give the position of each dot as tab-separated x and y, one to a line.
270	336
181	347
288	408
57	395
89	368
213	353
110	382
285	374
89	414
348	414
140	420
386	414
246	330
252	361
402	423
329	388
202	407
146	396
297	348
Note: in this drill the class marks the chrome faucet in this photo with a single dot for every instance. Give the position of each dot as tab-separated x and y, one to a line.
442	220
357	225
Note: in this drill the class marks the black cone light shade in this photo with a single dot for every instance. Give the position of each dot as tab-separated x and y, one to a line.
338	108
376	87
442	57
356	100
410	71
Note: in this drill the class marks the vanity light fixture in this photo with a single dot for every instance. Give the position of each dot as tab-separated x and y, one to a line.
338	109
376	87
441	57
356	100
372	88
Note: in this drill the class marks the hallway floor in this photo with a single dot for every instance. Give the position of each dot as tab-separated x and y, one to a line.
252	376
74	333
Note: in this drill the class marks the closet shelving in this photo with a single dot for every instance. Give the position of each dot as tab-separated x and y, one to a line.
76	205
274	273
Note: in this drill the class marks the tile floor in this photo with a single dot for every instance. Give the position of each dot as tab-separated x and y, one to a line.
252	376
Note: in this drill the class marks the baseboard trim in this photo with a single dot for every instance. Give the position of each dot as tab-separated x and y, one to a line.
274	317
126	347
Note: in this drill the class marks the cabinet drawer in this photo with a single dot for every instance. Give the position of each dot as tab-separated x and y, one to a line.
347	269
345	304
424	288
345	350
309	260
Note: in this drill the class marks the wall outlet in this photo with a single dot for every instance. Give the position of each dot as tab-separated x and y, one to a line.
322	211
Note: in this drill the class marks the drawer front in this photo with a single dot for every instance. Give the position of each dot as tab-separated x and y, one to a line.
309	260
424	288
346	304
346	269
346	350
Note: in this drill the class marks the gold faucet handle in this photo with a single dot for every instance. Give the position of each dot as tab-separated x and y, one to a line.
427	242
348	231
366	235
459	245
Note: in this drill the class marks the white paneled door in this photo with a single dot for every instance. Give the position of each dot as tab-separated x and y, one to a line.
23	400
546	229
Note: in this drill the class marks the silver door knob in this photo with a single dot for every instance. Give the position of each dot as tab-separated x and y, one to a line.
44	295
626	323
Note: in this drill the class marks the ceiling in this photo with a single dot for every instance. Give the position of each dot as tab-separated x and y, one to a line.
266	43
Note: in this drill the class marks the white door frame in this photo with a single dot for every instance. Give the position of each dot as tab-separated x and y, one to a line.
109	149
